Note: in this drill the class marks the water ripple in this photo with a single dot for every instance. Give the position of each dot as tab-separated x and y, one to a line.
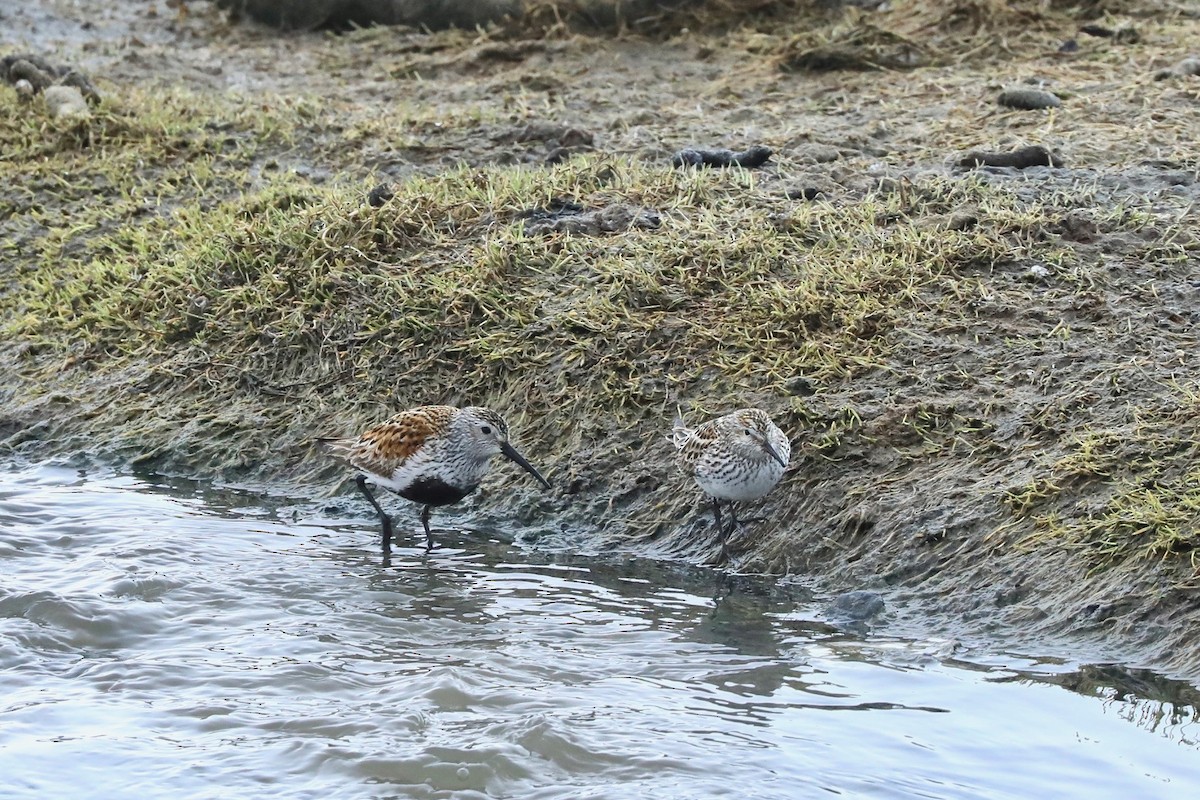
166	640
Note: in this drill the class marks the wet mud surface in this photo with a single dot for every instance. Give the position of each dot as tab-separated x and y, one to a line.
945	480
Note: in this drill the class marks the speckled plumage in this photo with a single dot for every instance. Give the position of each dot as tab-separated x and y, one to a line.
432	455
738	457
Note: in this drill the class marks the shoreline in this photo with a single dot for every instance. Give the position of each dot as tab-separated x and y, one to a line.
987	373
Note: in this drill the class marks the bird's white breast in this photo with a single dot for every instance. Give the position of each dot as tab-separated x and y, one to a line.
738	481
451	467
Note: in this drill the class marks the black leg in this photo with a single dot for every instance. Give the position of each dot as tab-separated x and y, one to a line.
384	519
722	589
723	531
425	522
735	524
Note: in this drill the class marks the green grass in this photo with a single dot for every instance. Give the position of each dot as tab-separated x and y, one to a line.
736	289
1127	491
182	289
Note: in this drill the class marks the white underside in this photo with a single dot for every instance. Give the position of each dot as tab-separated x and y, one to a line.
464	474
749	485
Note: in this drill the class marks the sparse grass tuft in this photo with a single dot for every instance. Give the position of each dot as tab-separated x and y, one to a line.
1132	491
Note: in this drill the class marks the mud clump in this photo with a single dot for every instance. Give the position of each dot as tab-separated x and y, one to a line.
380	194
1184	68
40	74
1021	158
566	216
309	14
857	606
1121	35
749	158
863	48
1028	99
562	141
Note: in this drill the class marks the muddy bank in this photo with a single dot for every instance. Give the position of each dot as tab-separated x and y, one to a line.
290	15
988	371
434	15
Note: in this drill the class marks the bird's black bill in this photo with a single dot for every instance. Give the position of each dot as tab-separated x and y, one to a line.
771	451
511	452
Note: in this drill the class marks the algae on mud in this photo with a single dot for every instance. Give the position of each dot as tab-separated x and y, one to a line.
989	373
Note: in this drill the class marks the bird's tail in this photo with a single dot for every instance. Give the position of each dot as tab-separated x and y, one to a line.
680	433
334	445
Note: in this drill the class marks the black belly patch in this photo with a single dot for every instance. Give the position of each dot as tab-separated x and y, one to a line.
433	492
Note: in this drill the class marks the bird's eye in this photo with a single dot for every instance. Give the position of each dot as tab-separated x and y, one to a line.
486	429
749	432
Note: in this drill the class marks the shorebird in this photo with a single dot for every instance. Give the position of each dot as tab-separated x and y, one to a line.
432	455
734	458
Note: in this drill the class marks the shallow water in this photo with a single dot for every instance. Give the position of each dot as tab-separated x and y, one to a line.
164	640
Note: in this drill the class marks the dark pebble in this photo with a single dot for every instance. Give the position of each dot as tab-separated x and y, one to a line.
800	386
1124	35
23	69
751	157
804	193
557	208
1188	66
856	606
380	195
1021	158
1092	29
1028	99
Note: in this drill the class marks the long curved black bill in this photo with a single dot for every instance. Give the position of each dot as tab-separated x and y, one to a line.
511	452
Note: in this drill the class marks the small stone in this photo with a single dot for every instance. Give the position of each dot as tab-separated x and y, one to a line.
66	102
804	193
799	386
1188	66
1038	272
1021	158
1123	35
856	606
380	195
1028	99
751	157
39	78
24	89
